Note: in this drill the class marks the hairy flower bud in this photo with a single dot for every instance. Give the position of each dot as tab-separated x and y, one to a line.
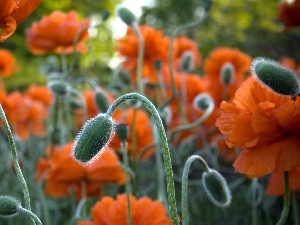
101	101
9	206
126	15
276	77
202	101
216	188
227	74
93	137
122	131
187	61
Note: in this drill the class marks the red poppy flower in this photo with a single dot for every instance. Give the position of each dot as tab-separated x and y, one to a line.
289	13
213	65
7	63
144	211
275	185
13	13
266	126
64	173
155	48
56	33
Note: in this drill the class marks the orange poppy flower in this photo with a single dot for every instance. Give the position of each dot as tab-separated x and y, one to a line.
64	173
63	28
40	93
13	13
144	211
213	65
140	133
7	63
289	13
183	44
155	48
289	62
266	126
275	185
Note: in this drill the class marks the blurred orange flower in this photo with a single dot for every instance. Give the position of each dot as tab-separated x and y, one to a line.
212	69
7	63
13	13
275	185
144	211
40	93
155	48
140	133
56	32
266	126
64	173
289	13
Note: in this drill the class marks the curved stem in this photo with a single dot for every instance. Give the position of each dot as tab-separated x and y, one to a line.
15	160
32	215
184	192
286	204
164	146
140	59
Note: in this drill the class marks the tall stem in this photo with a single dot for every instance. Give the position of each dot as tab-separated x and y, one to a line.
164	146
286	204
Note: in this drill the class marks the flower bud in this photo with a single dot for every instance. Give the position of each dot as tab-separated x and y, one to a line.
276	77
101	101
126	15
105	14
227	74
216	188
187	61
202	101
93	137
9	206
158	65
58	87
123	76
122	131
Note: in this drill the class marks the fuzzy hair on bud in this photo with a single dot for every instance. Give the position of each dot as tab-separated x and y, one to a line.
126	15
227	74
187	61
276	77
93	137
101	101
122	131
216	188
9	206
202	101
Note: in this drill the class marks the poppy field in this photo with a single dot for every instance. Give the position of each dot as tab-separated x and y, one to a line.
176	121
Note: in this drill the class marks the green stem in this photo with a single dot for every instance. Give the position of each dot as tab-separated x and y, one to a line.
184	192
286	204
127	184
140	59
164	146
15	160
31	215
295	209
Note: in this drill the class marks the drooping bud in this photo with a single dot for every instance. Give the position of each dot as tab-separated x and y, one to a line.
9	206
126	15
216	188
187	61
58	87
276	77
202	101
227	74
122	131
93	137
101	101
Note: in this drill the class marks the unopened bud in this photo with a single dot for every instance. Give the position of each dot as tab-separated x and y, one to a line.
101	101
216	188
187	61
123	76
122	131
158	65
126	15
227	74
202	101
276	77
93	137
9	206
58	87
104	15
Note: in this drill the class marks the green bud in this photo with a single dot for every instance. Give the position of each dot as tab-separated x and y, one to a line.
216	188
126	15
202	101
227	74
101	101
123	76
104	15
122	131
186	63
158	65
9	206
93	137
276	77
58	87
